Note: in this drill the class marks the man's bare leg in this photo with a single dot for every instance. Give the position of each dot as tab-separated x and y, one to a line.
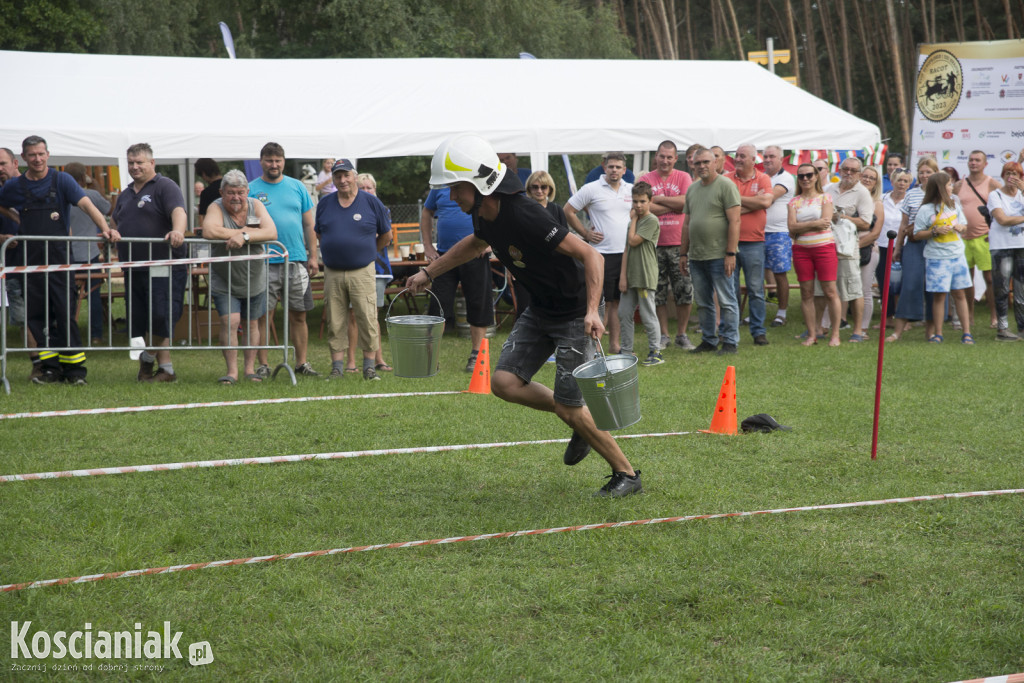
299	334
509	387
612	323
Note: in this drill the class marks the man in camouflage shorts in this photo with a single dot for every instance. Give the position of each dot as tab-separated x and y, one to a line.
669	185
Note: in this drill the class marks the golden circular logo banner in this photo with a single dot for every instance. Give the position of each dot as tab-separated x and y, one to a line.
939	84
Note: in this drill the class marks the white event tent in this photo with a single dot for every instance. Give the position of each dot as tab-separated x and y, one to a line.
90	108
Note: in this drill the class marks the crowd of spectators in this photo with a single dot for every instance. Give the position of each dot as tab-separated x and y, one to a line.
723	240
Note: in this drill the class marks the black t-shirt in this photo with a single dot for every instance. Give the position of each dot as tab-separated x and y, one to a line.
209	195
524	237
147	213
557	213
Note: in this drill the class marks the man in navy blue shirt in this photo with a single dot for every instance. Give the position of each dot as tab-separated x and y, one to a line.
41	199
353	226
153	206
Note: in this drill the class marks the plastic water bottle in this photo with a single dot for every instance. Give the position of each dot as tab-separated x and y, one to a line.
895	277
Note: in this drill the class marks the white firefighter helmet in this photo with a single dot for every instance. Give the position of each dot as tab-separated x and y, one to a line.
468	158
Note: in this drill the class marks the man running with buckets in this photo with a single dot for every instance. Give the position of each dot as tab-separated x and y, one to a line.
563	275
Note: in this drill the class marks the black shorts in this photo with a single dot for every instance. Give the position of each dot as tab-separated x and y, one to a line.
475	276
532	341
148	300
612	273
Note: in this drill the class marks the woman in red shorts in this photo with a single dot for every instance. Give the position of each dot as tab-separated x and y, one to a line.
814	250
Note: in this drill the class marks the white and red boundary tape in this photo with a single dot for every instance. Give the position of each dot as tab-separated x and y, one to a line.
215	404
1011	678
281	459
484	537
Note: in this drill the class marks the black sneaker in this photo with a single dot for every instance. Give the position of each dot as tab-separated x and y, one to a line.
471	363
653	359
76	381
370	374
577	449
727	349
620	484
263	371
48	377
304	369
704	347
760	340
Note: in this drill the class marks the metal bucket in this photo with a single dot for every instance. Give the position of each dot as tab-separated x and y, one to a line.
462	327
611	388
415	342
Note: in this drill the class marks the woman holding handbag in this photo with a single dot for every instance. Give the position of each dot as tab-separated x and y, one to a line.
870	178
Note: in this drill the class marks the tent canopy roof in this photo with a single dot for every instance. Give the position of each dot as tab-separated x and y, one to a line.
97	105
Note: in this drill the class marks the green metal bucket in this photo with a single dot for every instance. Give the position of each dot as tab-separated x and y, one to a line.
415	342
611	389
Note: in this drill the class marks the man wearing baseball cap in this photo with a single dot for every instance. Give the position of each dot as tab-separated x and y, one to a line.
353	226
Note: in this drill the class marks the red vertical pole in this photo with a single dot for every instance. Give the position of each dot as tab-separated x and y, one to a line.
881	343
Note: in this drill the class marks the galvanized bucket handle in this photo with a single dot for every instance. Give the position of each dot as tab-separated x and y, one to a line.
604	358
439	306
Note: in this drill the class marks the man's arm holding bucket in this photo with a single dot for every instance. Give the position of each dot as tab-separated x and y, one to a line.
593	273
465	250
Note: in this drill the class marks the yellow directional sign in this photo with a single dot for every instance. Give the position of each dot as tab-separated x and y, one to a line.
761	57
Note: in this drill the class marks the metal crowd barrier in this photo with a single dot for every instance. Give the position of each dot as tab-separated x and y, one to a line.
198	311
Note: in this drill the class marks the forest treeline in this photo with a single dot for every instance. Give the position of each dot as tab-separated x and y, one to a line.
857	54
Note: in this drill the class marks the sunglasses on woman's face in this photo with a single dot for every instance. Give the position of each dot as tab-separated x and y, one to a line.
539	187
806	176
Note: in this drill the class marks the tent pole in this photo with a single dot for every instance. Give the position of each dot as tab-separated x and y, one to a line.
539	161
569	175
188	172
641	163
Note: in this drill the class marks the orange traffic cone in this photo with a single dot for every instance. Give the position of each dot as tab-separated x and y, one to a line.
724	419
481	381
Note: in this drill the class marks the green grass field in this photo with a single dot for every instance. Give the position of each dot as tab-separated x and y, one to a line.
929	591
